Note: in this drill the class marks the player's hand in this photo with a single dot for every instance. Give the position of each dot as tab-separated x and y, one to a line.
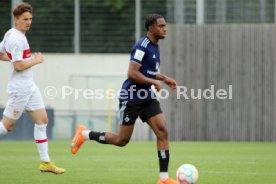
39	58
170	82
157	85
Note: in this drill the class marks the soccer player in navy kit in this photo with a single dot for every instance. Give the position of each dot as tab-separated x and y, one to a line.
137	98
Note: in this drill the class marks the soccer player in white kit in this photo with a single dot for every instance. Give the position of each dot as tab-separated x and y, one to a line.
23	93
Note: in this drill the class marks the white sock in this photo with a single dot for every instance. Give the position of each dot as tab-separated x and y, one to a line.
85	134
41	142
3	129
164	176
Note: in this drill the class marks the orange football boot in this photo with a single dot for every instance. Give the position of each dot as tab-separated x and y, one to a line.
168	181
78	139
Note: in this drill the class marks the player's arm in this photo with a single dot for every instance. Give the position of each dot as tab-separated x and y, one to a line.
4	57
167	80
135	75
20	65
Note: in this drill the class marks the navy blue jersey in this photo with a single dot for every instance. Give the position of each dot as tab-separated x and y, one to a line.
146	54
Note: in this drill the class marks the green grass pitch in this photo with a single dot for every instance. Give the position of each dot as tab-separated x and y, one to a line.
137	163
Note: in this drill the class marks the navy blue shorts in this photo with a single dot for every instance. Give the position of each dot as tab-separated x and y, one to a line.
130	112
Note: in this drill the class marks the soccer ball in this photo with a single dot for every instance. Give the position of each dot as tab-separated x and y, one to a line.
187	174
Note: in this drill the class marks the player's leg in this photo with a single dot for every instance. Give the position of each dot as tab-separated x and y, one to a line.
6	125
128	116
35	109
83	134
158	125
120	139
155	118
40	119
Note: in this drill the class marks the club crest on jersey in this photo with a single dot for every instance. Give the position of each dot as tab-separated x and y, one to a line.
154	56
15	113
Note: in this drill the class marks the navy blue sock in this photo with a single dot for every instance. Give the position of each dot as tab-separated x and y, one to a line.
164	158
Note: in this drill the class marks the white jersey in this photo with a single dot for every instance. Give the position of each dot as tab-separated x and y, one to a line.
17	48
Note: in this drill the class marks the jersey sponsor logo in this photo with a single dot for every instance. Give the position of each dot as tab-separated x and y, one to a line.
139	54
152	72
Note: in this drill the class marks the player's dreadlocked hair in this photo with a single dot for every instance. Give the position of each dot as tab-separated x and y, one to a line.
151	19
22	8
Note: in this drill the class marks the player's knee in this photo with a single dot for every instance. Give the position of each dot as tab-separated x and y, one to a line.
10	127
162	132
8	123
123	142
44	120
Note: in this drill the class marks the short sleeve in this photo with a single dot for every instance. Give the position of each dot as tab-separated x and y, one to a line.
16	49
